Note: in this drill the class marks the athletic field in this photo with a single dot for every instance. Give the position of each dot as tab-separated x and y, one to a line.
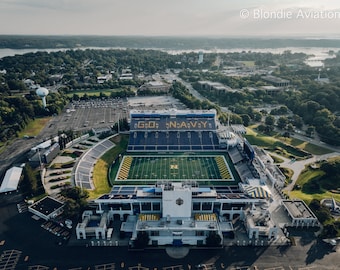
174	168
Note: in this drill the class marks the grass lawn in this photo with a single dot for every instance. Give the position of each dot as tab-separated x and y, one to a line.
95	92
284	146
276	159
294	194
248	63
305	177
100	179
309	147
101	169
34	127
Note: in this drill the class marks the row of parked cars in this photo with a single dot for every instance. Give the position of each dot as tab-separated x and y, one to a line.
57	229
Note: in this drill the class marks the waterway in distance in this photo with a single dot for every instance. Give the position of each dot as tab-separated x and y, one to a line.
316	54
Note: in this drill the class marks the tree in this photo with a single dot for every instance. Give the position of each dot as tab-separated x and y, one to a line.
321	212
257	116
213	239
330	231
30	180
297	121
245	119
290	128
310	131
76	201
282	122
270	120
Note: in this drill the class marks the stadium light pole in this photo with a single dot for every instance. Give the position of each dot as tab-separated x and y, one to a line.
118	123
40	163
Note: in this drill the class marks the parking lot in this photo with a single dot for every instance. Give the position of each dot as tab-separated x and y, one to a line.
94	113
9	259
100	113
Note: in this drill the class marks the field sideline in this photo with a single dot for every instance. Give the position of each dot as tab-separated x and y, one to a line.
174	168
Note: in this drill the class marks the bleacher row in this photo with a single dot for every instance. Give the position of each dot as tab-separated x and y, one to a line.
205	217
124	170
224	171
173	141
83	170
148	217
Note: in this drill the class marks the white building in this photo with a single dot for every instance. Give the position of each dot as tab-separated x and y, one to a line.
155	86
300	213
176	213
200	57
92	225
126	74
47	208
104	78
11	180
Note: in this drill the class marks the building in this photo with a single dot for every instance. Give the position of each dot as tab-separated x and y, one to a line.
92	225
276	81
44	153
104	78
49	154
176	213
214	86
332	204
155	87
272	90
47	208
259	223
200	57
300	214
184	180
126	74
11	180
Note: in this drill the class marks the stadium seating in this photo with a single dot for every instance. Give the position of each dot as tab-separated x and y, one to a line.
224	171
154	132
124	171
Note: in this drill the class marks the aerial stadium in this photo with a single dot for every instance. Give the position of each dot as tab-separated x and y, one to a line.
184	180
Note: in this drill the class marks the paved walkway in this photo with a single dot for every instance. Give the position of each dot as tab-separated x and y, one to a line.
298	166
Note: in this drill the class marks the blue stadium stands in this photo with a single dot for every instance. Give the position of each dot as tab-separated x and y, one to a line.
173	131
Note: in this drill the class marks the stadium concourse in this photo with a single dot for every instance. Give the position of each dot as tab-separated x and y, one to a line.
186	179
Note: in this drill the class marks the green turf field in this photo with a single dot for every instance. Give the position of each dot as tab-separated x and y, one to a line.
174	168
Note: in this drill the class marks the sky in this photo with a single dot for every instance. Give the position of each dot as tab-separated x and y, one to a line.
171	17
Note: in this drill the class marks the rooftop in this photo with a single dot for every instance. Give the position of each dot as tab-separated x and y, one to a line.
298	209
47	205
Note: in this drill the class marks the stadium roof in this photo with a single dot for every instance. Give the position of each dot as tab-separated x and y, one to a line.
11	179
172	112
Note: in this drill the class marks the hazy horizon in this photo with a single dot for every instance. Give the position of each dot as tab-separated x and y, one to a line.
189	18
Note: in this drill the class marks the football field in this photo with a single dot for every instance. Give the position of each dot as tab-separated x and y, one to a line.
174	168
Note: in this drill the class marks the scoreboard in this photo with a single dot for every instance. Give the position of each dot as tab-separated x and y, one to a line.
206	124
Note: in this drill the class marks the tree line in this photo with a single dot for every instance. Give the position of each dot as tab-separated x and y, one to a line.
315	104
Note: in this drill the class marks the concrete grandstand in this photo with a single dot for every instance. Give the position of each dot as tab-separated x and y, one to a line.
160	191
